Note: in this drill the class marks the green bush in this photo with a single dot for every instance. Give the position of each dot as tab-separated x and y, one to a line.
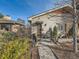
8	36
15	49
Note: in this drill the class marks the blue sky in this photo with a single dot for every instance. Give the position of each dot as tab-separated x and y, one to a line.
25	8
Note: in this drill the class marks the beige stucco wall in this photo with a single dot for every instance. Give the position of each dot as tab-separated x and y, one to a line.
51	22
34	29
15	27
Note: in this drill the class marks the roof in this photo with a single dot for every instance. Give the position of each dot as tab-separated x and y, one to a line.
37	15
9	22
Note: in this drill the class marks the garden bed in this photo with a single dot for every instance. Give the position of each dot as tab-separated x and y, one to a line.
19	48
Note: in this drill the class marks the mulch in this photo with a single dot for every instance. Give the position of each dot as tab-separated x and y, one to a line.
66	52
34	53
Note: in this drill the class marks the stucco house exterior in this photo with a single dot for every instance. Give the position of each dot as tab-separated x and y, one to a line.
6	24
60	17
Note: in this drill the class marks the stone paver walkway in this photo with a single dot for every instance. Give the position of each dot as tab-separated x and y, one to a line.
45	52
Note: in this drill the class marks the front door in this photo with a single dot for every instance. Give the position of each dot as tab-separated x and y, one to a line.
39	31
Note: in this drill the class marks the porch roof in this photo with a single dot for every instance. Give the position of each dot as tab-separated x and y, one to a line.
37	23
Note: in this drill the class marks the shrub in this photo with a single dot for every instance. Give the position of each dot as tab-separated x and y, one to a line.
15	49
8	35
55	32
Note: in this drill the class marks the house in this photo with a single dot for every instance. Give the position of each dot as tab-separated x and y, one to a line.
60	17
6	24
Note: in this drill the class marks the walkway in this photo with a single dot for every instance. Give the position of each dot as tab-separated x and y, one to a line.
45	52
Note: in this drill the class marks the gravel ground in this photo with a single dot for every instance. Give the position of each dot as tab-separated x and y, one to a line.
65	53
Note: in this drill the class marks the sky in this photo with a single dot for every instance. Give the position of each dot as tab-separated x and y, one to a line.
25	8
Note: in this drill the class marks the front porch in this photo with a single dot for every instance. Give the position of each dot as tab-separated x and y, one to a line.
37	29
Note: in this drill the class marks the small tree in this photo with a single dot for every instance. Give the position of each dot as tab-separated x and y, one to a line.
55	33
1	15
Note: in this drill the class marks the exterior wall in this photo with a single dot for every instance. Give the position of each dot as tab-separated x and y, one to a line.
15	27
68	26
34	29
50	20
77	1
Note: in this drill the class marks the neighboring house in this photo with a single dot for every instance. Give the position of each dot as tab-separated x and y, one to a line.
6	24
60	17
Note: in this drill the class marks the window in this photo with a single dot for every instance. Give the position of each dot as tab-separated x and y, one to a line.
60	26
45	24
5	26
